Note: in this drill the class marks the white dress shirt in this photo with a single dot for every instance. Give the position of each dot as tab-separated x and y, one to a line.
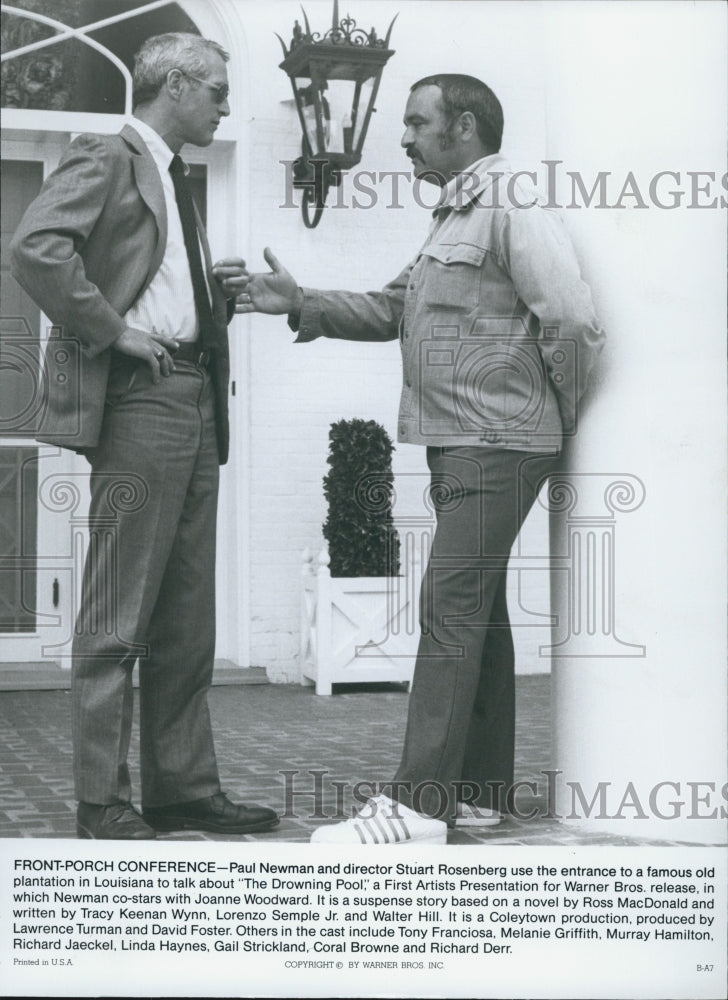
168	304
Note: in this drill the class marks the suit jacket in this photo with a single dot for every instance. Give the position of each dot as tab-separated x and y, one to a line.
86	249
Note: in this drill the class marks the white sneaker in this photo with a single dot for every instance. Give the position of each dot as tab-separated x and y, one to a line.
468	814
382	821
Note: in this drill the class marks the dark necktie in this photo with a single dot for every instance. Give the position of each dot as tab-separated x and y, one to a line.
189	230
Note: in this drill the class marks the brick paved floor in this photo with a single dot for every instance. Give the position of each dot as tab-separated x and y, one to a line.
261	731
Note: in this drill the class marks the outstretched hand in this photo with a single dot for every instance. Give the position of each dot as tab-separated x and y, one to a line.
275	292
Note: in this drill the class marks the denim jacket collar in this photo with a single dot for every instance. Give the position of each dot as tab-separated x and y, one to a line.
479	177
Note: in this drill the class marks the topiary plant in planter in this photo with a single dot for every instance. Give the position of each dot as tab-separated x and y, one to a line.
362	538
358	614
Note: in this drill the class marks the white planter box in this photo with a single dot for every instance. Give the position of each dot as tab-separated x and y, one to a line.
357	629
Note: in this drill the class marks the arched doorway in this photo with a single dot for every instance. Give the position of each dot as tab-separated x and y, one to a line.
66	68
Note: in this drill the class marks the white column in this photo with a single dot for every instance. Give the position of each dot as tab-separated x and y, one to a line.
638	539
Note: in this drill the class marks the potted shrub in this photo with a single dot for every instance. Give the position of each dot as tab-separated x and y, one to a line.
358	610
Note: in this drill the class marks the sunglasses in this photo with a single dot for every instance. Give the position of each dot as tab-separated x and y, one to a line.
221	92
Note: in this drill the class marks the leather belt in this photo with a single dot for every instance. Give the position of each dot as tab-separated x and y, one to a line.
193	354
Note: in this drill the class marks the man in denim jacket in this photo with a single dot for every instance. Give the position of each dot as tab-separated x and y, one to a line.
498	336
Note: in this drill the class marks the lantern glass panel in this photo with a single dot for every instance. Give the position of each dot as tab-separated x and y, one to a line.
344	106
304	92
337	99
365	98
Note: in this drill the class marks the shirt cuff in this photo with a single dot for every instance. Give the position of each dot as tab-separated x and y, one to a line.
308	324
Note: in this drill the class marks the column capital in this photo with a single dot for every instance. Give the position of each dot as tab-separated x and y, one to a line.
589	496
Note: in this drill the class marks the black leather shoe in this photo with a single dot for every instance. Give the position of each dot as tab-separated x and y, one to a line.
216	814
119	821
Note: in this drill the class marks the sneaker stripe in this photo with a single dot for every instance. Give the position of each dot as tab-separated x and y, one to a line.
393	828
371	830
382	829
366	834
396	816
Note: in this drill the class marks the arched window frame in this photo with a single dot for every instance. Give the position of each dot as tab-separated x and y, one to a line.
44	120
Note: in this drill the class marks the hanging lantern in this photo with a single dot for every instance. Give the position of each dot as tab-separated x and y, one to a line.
335	80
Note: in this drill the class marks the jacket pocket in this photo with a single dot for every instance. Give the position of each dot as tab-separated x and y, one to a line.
452	274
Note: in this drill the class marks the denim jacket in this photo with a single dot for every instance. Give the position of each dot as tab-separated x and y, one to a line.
497	330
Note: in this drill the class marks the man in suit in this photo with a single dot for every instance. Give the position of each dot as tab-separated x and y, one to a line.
114	252
498	335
